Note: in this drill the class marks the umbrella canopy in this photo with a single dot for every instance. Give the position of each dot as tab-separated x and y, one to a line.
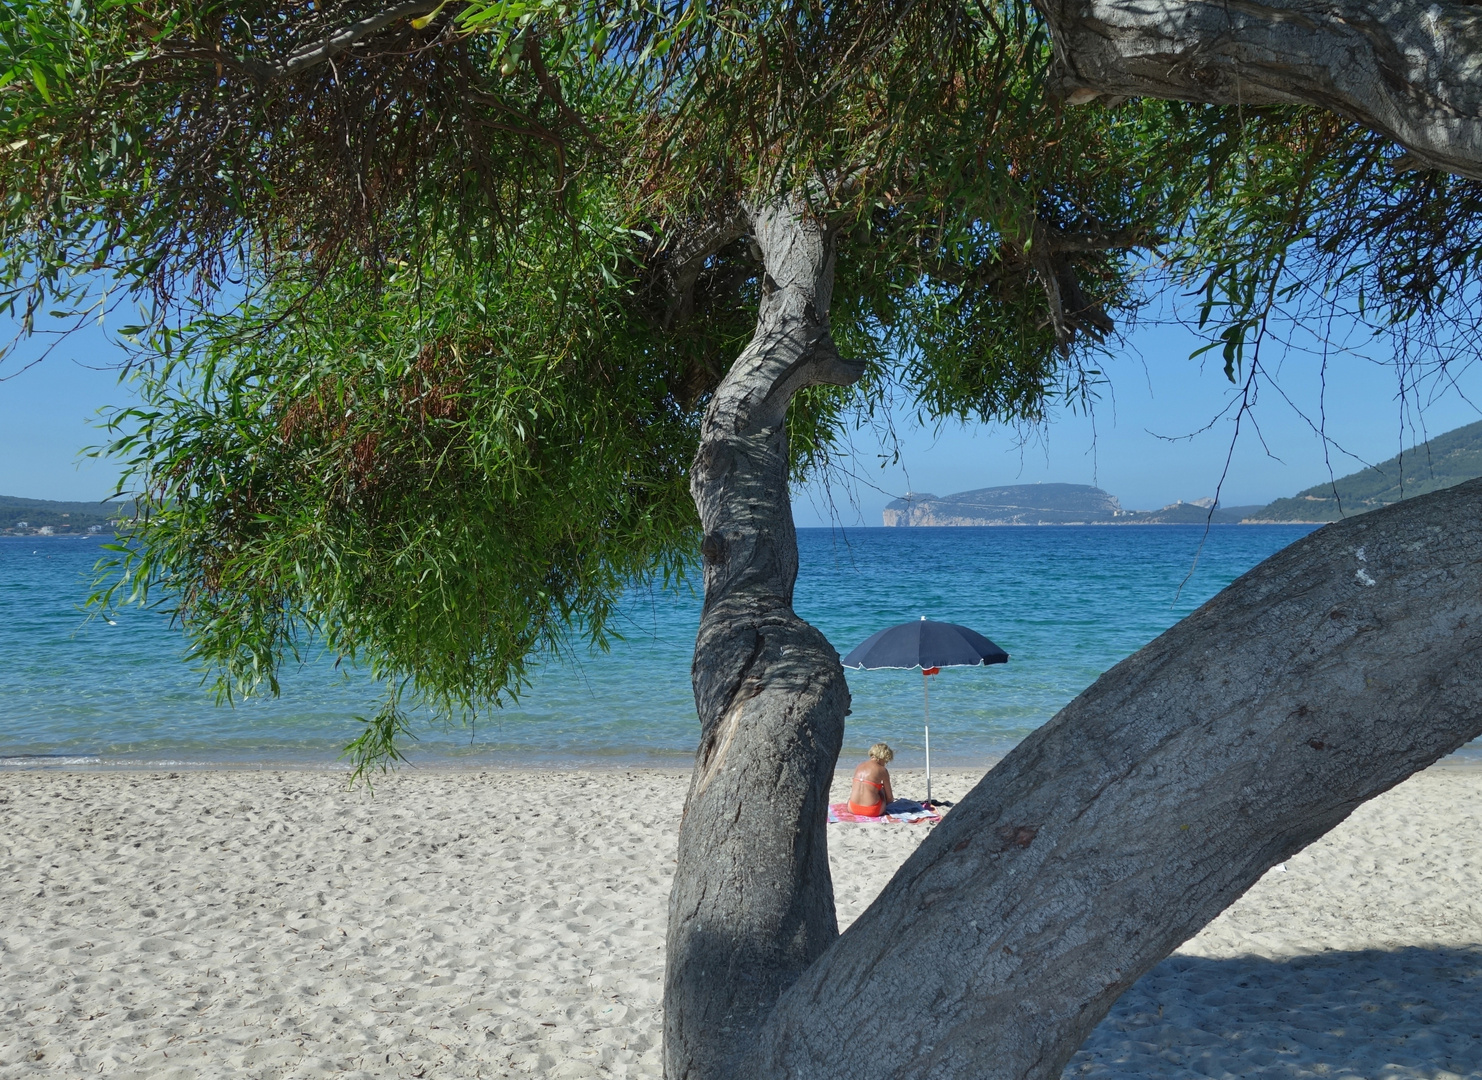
925	644
929	646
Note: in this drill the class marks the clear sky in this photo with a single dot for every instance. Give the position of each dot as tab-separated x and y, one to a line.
47	415
1155	393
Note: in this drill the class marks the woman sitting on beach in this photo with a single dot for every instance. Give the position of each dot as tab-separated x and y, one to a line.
870	793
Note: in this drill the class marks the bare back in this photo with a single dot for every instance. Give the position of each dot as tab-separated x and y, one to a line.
871	784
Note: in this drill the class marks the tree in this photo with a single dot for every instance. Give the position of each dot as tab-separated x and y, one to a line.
492	262
1398	71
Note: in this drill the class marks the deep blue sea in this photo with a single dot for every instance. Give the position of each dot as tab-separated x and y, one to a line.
1066	602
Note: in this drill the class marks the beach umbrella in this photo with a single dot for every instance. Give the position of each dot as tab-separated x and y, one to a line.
929	646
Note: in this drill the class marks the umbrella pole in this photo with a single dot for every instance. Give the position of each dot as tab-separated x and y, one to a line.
926	713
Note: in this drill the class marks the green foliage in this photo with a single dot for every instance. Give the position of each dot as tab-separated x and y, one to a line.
1307	215
417	387
440	469
149	145
449	418
379	745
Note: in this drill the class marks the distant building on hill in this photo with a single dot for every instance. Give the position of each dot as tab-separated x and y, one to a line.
45	517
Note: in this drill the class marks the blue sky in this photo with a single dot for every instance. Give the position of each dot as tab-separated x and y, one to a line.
1130	445
47	415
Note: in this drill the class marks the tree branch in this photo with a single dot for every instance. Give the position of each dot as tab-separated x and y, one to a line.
1404	69
792	347
551	86
1323	677
333	44
322	49
682	261
1086	242
1047	250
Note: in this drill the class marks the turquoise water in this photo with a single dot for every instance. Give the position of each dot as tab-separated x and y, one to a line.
1066	602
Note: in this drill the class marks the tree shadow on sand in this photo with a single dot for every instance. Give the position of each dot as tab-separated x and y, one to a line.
1376	1014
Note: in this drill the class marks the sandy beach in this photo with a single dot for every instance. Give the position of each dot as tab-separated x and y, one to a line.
465	924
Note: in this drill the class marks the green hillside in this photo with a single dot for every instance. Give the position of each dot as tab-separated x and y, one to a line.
29	516
1440	463
1190	513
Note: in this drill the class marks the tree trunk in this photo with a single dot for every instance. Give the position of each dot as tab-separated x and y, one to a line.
1404	68
1320	679
753	904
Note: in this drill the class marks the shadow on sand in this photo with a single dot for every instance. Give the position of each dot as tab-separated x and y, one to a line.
1376	1014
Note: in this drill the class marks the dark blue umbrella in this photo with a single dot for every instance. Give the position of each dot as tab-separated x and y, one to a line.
929	646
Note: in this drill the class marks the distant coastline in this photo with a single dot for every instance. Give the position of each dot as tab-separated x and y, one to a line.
39	534
47	517
1048	504
1442	462
1447	460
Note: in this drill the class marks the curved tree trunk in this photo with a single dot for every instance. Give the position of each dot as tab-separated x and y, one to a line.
752	904
1409	69
1320	679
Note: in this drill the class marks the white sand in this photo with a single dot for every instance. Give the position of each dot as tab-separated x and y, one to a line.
464	924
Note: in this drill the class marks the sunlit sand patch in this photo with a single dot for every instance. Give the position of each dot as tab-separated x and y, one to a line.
464	924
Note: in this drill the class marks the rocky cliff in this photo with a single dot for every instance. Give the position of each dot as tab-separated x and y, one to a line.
1017	504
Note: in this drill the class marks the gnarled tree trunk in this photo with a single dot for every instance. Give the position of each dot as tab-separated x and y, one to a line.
1409	69
753	904
1318	680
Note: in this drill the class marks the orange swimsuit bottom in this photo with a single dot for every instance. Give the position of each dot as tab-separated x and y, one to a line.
868	811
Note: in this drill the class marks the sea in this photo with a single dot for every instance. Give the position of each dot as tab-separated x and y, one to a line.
1066	602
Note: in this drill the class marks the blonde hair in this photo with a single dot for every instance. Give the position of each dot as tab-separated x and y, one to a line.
882	753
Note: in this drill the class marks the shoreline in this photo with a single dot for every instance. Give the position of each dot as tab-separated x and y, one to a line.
1468	758
1114	523
85	764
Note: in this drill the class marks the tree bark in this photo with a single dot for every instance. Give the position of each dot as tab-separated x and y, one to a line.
1410	70
1320	679
752	904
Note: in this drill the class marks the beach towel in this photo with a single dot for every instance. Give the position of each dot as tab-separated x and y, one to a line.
900	812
